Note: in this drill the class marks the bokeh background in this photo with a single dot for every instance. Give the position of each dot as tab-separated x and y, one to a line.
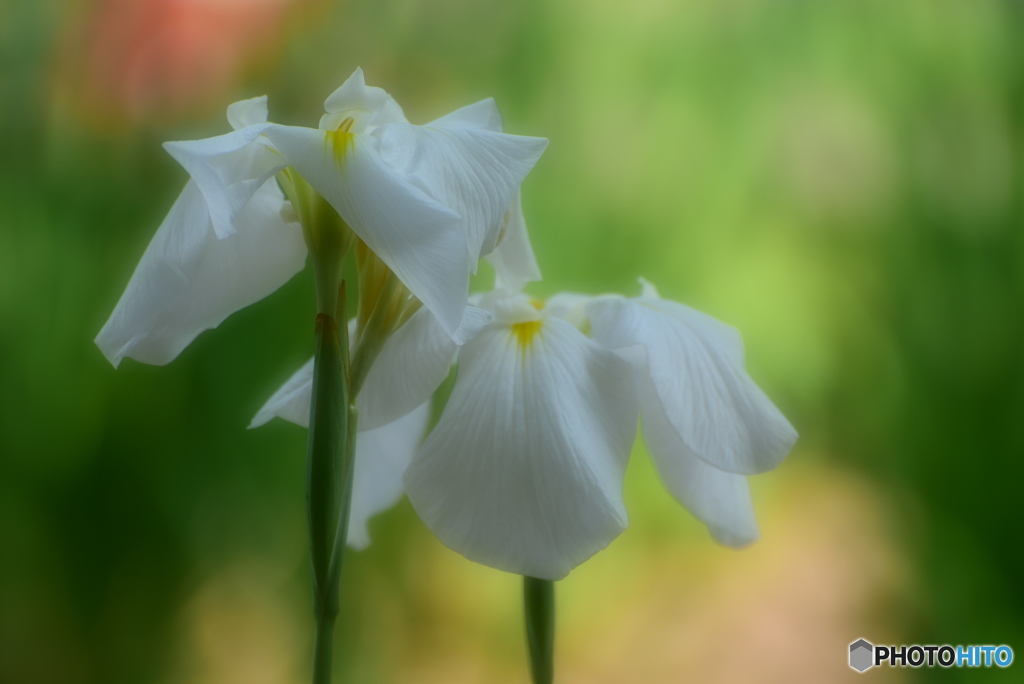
841	180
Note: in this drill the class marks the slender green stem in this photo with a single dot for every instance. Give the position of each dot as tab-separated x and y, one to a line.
330	452
325	451
539	605
330	466
323	650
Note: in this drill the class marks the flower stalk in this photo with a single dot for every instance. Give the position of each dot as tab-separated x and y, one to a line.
539	606
330	455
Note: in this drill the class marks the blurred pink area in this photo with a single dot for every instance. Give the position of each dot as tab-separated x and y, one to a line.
136	59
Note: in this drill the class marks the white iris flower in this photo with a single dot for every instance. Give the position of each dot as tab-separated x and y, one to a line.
429	201
524	470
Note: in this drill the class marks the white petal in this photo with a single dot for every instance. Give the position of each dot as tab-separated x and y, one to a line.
647	289
413	362
188	281
509	306
476	172
228	170
718	333
569	306
291	401
473	321
382	455
697	369
366	105
248	112
483	115
418	238
719	499
513	260
524	470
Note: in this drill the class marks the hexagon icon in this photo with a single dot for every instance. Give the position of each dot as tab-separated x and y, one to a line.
861	655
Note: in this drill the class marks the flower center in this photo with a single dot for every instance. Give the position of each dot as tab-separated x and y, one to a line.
339	140
526	331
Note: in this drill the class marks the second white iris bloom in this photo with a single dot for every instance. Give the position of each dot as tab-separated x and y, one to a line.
524	470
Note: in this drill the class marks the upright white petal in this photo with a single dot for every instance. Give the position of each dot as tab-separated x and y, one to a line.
474	171
524	470
569	306
366	105
419	239
188	281
696	366
513	260
719	499
228	169
382	456
245	113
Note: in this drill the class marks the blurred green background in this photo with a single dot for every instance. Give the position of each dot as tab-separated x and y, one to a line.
840	180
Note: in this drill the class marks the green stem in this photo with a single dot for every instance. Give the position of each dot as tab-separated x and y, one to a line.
330	454
329	467
539	605
323	650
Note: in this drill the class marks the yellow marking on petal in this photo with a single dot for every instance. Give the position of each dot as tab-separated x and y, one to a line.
340	140
526	331
537	304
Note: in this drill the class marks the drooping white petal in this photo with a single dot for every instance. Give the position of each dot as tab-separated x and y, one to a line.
366	105
719	499
188	281
513	260
249	112
228	169
524	470
413	362
291	401
696	366
382	455
715	331
419	239
474	171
